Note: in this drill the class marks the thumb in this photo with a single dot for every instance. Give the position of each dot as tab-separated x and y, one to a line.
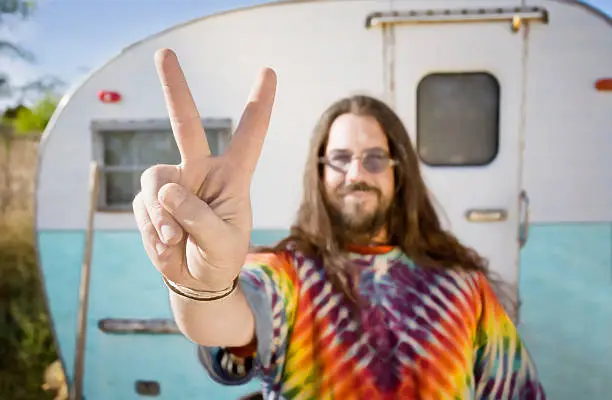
192	213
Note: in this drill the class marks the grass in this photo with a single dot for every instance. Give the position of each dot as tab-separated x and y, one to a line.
26	342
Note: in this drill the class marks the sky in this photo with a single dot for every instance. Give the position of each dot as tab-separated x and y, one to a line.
70	38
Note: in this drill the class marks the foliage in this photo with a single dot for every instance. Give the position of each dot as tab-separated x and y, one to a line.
35	119
10	10
13	11
15	7
26	343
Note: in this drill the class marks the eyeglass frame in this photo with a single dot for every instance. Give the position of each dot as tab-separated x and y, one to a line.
391	162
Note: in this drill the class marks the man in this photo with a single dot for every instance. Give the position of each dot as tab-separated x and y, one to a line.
367	298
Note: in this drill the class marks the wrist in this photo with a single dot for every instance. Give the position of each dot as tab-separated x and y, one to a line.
201	294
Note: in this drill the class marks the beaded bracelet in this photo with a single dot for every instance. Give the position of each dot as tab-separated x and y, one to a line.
200	295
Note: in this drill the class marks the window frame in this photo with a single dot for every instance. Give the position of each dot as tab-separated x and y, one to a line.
497	118
99	127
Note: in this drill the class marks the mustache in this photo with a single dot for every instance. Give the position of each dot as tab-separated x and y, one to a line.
356	187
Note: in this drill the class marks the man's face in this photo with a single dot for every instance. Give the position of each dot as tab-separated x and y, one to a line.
358	176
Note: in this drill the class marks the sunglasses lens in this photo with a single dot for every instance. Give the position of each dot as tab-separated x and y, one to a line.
375	163
340	162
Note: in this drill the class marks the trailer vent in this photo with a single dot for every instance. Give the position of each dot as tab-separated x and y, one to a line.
147	388
137	326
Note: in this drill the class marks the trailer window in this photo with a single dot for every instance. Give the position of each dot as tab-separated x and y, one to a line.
124	152
458	119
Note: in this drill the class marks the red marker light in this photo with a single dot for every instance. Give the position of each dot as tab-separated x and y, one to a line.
107	96
604	85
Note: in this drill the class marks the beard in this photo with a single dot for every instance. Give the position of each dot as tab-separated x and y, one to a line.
357	221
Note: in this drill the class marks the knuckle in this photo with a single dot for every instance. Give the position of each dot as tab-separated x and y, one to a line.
150	177
137	202
148	234
158	214
156	176
148	230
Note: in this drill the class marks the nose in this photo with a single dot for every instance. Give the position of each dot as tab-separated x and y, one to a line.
355	171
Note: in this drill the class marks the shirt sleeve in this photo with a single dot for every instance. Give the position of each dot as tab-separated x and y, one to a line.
503	367
267	281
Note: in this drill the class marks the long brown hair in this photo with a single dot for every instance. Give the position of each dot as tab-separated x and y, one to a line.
413	223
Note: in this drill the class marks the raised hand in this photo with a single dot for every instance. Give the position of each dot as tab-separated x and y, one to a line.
195	218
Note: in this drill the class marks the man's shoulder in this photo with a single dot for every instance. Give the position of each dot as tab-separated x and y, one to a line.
287	251
281	254
288	258
272	256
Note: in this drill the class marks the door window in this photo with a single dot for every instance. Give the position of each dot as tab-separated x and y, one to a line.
458	119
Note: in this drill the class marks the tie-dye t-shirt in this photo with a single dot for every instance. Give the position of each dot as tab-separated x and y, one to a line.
421	334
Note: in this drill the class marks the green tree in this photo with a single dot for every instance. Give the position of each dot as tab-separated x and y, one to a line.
15	11
36	118
26	343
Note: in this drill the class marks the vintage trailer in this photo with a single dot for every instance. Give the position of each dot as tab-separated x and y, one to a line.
509	103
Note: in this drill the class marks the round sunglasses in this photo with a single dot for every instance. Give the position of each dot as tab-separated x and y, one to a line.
374	163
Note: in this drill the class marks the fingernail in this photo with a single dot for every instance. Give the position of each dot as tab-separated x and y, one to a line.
160	247
168	233
174	196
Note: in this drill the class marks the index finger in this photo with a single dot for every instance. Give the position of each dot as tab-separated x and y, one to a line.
248	139
184	116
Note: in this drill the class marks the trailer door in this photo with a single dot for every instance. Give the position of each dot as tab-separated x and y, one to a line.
459	89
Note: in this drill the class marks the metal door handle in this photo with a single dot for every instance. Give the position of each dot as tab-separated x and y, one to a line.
486	215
